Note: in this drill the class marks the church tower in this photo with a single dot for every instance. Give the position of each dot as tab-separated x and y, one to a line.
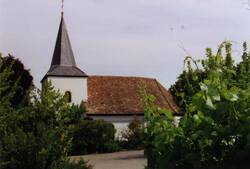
63	73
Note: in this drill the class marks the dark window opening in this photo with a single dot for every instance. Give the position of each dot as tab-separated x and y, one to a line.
68	96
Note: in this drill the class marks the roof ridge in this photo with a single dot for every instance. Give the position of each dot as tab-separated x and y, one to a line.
118	76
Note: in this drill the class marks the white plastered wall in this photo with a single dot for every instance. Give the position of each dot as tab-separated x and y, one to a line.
76	85
120	122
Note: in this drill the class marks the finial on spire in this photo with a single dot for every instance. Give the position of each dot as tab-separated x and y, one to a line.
62	7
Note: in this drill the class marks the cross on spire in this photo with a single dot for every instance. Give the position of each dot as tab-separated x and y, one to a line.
63	62
62	6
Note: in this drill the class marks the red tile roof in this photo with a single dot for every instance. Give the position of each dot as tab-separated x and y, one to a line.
115	95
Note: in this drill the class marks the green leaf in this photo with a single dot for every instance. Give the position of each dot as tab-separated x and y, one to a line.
203	87
210	104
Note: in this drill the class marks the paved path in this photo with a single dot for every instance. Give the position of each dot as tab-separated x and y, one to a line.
119	160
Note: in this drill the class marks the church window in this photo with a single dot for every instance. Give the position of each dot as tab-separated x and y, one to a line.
68	95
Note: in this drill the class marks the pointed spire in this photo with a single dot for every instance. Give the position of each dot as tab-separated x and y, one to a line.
63	62
63	53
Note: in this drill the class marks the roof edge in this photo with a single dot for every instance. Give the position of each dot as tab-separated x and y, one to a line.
118	76
46	76
166	99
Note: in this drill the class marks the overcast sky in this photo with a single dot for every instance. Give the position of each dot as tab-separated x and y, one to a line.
122	37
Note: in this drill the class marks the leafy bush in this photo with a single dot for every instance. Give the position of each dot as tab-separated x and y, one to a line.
92	136
74	115
111	147
213	133
132	138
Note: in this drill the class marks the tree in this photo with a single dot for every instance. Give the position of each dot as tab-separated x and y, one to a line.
36	135
186	86
19	76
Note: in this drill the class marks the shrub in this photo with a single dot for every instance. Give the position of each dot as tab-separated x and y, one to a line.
92	136
74	115
132	137
110	147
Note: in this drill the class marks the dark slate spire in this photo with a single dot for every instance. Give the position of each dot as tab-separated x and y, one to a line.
63	54
63	62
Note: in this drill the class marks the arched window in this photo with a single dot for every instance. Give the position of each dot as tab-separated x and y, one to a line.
68	96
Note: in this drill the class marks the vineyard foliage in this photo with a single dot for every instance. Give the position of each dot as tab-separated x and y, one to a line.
188	82
214	132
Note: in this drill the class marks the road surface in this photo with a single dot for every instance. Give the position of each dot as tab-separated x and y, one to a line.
119	160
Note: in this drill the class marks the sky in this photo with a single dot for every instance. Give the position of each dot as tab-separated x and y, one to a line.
148	38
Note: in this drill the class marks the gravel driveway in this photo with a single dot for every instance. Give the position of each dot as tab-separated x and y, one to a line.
119	160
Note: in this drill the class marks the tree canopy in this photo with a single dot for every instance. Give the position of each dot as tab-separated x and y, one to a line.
36	134
20	76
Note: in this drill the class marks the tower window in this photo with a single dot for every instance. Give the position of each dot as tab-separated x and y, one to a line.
68	96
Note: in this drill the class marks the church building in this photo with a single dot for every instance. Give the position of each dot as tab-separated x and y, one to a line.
112	98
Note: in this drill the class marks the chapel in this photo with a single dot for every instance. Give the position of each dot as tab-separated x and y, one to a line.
112	98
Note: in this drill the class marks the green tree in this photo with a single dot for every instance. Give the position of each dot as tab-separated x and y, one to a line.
186	86
34	136
19	76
